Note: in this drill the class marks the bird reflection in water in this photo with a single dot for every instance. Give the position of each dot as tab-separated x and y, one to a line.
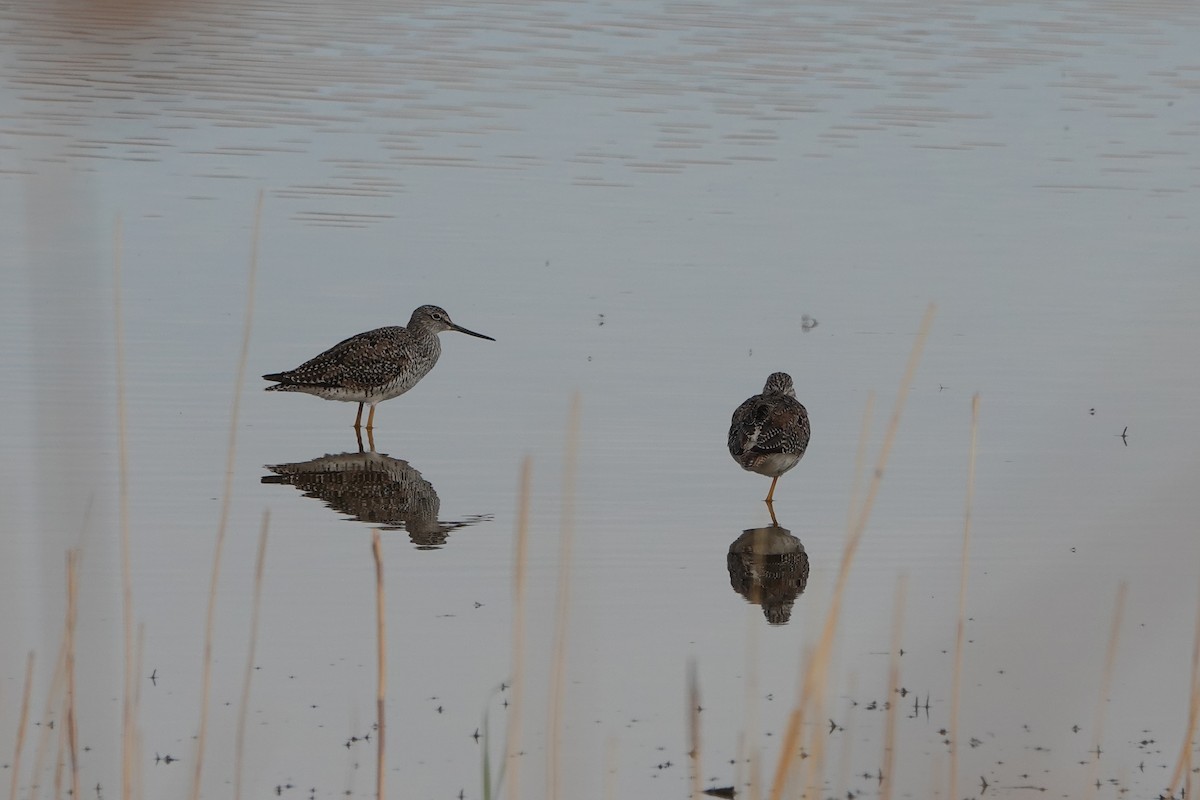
768	567
376	489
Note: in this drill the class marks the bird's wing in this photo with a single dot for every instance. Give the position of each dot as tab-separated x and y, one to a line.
366	359
743	429
768	425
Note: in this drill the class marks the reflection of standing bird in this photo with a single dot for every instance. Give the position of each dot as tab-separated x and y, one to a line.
375	489
373	366
769	432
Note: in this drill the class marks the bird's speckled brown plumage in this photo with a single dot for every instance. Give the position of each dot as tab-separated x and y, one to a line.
769	432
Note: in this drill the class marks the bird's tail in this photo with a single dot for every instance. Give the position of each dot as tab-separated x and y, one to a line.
282	384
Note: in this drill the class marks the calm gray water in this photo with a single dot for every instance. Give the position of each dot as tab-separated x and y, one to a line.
640	202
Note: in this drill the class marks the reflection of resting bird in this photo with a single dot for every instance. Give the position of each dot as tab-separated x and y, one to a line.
769	432
373	366
768	567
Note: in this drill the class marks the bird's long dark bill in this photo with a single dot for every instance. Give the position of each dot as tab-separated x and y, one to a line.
471	333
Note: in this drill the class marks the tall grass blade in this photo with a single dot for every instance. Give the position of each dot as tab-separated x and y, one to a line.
139	777
55	700
491	788
128	751
562	614
487	762
381	687
893	683
72	731
749	741
816	677
693	683
610	768
960	631
512	739
239	752
22	721
226	499
1110	660
1183	767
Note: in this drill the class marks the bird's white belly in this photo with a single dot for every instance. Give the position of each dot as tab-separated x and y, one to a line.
367	394
346	395
773	464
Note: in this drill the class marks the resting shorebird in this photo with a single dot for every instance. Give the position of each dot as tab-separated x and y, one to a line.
373	366
770	431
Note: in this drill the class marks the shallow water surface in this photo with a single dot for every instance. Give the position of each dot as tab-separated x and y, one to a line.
652	207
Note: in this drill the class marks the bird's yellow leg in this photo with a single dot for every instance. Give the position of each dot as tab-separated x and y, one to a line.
770	494
358	419
371	439
371	418
771	508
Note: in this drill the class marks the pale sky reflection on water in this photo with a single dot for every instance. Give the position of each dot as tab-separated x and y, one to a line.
639	202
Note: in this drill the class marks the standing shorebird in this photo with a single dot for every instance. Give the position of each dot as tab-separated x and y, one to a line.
373	366
769	432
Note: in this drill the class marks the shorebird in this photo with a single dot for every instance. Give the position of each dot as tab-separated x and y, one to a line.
373	366
769	432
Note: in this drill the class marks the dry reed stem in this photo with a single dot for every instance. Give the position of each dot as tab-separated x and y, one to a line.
693	683
1183	767
66	650
381	687
54	700
754	768
139	662
512	738
789	749
22	720
1110	660
860	458
610	768
960	630
739	763
748	742
128	754
60	761
845	756
893	682
226	497
562	613
935	773
72	732
239	751
816	678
